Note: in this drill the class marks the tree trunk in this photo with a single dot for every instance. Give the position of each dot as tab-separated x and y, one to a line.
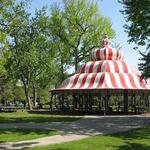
76	64
62	66
34	95
26	90
62	72
76	59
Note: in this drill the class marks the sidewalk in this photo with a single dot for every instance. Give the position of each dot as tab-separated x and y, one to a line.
41	141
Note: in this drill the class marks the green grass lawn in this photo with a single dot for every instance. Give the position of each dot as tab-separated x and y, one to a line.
133	140
35	118
12	135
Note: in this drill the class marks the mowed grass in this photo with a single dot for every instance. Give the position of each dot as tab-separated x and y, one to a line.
13	135
133	140
22	117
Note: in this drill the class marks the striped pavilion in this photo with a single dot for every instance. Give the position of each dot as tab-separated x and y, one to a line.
106	84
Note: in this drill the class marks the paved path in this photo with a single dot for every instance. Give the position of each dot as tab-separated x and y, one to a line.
88	126
41	141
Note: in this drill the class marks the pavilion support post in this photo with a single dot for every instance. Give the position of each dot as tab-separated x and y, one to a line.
138	105
67	103
104	98
76	101
100	103
134	102
90	102
62	101
51	103
79	103
82	102
105	101
59	103
73	101
105	104
118	103
86	102
125	102
55	103
146	102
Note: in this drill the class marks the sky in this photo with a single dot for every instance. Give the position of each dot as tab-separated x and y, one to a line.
111	9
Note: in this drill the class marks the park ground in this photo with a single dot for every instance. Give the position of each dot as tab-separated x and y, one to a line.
63	132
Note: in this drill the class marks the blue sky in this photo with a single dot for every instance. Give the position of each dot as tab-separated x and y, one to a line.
109	8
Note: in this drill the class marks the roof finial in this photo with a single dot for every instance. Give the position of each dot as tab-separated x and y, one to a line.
106	42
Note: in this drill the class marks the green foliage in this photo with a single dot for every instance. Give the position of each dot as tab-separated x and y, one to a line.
37	50
43	96
144	66
137	13
5	6
31	57
10	91
2	68
78	26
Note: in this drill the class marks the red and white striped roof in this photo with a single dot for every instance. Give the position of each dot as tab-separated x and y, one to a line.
105	80
108	66
106	53
107	70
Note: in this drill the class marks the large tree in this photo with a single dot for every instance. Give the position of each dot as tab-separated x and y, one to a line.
77	27
30	55
5	6
137	14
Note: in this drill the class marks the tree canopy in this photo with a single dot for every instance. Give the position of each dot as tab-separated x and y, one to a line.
29	56
79	27
37	49
137	15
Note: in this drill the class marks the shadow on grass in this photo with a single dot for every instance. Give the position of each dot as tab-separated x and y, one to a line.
143	133
132	146
9	135
138	139
21	146
36	119
60	149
